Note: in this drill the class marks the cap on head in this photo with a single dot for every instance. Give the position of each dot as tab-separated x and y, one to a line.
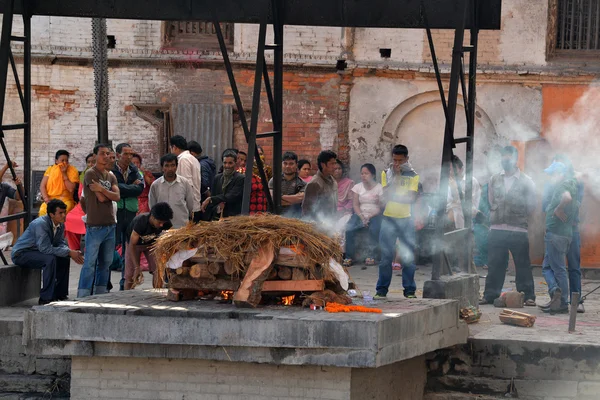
556	168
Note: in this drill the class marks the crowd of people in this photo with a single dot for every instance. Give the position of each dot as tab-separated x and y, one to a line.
120	208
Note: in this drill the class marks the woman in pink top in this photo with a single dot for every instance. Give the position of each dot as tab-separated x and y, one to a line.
367	213
345	184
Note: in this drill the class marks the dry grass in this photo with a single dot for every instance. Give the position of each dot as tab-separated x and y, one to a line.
232	238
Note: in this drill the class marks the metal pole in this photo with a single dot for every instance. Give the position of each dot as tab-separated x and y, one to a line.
7	22
254	117
101	76
457	51
573	311
277	8
28	200
472	103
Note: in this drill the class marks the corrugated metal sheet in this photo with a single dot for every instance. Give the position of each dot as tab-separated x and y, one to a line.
211	125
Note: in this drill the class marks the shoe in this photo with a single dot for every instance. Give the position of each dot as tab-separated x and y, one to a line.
530	303
64	298
545	305
555	300
379	296
580	308
410	296
483	301
43	302
396	267
559	310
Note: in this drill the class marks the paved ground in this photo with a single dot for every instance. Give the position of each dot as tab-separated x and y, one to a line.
547	328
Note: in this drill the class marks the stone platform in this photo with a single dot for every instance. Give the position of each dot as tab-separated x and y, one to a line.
144	324
136	344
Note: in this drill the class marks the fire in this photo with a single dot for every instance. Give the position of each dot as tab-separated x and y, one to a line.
288	300
226	294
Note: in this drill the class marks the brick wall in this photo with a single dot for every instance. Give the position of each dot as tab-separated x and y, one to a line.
145	378
64	112
488	53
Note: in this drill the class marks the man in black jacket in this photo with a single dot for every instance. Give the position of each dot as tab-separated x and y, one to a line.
131	185
208	170
227	190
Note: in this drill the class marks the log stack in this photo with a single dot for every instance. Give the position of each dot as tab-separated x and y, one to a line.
282	274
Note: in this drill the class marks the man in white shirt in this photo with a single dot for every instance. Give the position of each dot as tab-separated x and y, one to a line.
189	168
174	190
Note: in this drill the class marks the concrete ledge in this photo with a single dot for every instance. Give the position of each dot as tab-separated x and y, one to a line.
461	287
144	324
18	284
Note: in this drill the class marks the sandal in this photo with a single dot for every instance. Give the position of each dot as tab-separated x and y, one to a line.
369	261
530	303
396	267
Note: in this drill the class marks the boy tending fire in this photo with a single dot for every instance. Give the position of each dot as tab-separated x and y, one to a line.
142	232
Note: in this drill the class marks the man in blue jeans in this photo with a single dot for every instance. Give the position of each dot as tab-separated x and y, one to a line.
400	192
560	214
100	189
574	250
43	246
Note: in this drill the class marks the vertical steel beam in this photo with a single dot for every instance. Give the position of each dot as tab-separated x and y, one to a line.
277	9
7	22
455	72
238	104
28	200
101	76
472	104
252	149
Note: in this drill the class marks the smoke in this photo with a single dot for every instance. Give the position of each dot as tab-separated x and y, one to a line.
575	134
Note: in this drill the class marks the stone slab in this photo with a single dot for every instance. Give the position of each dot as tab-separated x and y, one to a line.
135	322
461	287
18	284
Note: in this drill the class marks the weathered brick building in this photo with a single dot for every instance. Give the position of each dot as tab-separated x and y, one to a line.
535	68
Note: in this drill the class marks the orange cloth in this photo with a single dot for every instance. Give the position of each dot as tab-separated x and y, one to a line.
56	189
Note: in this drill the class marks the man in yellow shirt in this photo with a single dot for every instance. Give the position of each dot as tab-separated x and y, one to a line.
399	193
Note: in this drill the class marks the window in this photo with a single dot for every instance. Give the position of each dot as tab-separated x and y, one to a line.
577	27
196	35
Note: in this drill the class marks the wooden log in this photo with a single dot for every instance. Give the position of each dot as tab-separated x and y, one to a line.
229	268
292	260
250	292
184	271
298	274
214	267
200	271
311	285
187	282
206	259
173	295
284	273
272	274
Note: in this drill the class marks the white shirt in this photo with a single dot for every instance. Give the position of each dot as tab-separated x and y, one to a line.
455	204
369	199
189	167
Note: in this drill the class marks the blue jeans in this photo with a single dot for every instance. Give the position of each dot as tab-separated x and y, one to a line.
402	229
99	248
355	224
554	268
574	262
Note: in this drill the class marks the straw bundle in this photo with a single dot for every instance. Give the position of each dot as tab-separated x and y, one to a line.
232	238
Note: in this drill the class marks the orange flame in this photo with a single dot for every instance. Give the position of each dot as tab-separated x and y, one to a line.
288	300
226	294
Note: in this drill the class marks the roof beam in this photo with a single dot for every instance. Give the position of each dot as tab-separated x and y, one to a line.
442	14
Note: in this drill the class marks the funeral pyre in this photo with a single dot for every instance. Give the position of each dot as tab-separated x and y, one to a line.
253	260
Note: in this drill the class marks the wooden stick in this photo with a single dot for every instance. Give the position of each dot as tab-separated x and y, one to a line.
187	282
